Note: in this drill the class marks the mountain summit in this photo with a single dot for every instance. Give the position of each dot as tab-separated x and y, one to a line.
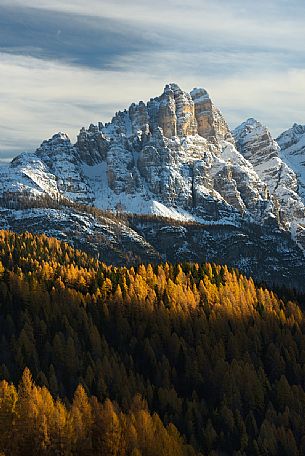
174	157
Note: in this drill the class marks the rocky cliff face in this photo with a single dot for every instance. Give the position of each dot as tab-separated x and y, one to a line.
174	157
292	152
210	122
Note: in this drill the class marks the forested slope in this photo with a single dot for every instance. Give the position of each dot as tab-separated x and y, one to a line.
199	345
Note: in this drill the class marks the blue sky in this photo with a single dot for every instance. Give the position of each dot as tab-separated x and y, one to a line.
65	64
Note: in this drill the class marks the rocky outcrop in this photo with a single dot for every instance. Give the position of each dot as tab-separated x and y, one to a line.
91	144
166	116
185	111
174	112
138	116
292	152
210	122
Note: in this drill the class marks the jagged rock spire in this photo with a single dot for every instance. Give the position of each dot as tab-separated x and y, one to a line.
177	113
210	122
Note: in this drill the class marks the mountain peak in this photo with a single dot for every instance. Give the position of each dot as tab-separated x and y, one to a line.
177	113
248	126
61	136
57	138
211	123
172	86
298	128
199	92
254	138
255	143
254	123
292	144
56	143
291	136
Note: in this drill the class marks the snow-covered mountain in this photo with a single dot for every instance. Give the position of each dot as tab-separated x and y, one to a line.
256	144
174	157
292	152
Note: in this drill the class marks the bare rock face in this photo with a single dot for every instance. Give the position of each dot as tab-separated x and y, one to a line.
210	122
167	119
185	112
138	116
121	173
174	112
92	145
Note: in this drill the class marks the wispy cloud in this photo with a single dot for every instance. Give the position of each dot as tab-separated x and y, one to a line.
83	40
276	23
